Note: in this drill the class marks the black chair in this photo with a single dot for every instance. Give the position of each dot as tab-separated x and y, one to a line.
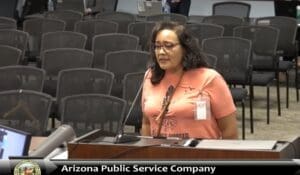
55	60
21	77
240	95
122	18
234	65
87	112
80	81
233	8
195	19
228	22
15	38
123	62
202	31
63	39
83	81
131	84
25	110
168	17
69	16
143	30
287	45
105	43
264	59
36	27
95	27
211	60
9	55
7	23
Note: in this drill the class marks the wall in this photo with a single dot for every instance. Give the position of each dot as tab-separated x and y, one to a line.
204	7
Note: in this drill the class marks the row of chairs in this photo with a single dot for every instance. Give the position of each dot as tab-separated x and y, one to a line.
70	82
279	108
101	44
55	60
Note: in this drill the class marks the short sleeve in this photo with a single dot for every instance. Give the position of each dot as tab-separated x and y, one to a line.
220	98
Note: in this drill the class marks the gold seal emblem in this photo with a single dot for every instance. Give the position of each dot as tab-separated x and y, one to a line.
27	167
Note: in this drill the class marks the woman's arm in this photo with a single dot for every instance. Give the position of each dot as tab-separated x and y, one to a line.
145	130
228	126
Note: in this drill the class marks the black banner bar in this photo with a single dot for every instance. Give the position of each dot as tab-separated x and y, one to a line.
36	167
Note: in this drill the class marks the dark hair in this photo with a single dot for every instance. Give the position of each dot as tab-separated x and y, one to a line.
193	57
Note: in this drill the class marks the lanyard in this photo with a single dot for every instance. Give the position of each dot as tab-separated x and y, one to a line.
166	102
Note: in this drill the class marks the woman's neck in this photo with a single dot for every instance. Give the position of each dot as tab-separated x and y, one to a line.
173	77
175	72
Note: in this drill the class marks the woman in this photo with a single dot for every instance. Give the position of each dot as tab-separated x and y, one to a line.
201	104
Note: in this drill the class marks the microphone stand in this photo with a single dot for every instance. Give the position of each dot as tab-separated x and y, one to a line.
121	137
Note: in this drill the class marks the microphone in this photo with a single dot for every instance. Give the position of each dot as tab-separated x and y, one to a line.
62	134
121	137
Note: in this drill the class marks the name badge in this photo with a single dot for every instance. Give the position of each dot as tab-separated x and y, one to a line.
202	108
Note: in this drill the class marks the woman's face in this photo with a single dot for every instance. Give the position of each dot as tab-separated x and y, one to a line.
168	51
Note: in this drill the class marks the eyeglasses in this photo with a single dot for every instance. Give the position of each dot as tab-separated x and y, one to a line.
166	46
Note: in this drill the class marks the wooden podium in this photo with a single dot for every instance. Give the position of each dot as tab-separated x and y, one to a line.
102	147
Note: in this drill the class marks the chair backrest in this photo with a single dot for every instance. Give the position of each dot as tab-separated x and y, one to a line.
36	27
104	43
25	110
287	31
228	22
87	112
69	16
63	39
195	19
21	77
9	55
117	62
143	30
122	18
264	44
168	17
83	81
14	38
94	27
233	55
8	8
131	85
55	60
233	8
7	23
211	60
202	31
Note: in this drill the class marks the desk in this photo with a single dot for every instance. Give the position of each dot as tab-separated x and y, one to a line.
149	148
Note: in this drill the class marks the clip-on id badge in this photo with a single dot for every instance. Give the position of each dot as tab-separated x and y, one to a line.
202	108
